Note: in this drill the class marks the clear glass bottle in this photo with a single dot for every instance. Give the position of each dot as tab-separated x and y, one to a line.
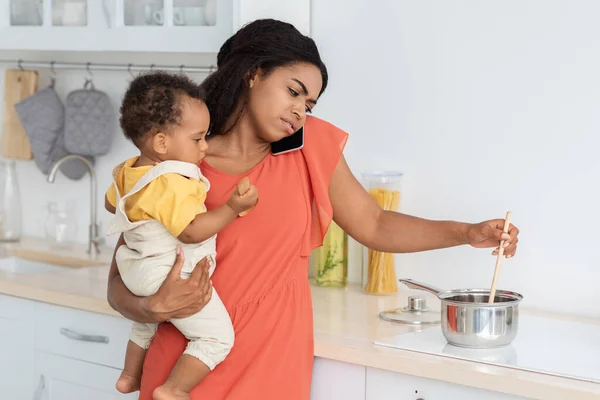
61	224
10	203
331	260
379	270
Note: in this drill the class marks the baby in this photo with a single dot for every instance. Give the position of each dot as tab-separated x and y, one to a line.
158	202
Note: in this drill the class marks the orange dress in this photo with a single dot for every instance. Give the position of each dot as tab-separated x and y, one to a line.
262	276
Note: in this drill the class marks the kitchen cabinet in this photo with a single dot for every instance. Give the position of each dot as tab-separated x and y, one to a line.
16	348
336	380
62	378
78	354
185	26
387	385
81	335
50	352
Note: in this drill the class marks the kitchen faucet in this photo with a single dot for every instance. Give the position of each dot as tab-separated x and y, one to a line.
93	242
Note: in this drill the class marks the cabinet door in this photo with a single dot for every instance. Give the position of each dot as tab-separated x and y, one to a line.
336	380
183	26
387	385
82	335
16	348
62	378
296	12
52	24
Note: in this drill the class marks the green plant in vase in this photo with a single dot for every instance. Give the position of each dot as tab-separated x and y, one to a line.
331	260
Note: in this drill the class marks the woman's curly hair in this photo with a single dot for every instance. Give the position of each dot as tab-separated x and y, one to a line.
263	44
152	103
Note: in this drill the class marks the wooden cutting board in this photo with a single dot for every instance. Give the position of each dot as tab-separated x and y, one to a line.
18	85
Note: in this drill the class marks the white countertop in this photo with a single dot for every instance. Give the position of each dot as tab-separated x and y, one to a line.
346	325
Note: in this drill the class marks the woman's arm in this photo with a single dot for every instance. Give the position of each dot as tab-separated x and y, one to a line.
176	298
355	211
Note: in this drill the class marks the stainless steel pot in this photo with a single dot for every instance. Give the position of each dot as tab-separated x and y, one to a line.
468	320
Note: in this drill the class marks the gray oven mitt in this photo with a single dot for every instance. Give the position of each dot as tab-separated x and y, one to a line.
89	122
42	116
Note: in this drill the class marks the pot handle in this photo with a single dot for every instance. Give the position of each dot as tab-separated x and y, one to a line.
421	286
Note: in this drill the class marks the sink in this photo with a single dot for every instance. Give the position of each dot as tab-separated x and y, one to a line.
18	265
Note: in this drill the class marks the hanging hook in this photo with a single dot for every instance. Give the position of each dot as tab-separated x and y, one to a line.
20	64
210	71
53	74
181	69
152	67
129	70
87	68
89	80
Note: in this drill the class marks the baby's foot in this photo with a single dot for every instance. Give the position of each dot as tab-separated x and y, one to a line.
128	383
169	392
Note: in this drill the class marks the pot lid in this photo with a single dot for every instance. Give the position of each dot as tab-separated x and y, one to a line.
415	313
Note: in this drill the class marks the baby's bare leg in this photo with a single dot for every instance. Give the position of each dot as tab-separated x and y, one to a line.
211	336
187	373
129	381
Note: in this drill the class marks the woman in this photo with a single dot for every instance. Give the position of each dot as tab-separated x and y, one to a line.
269	78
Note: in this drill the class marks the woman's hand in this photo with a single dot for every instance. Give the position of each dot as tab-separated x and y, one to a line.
490	233
178	297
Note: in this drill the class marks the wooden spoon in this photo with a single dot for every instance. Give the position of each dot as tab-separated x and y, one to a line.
499	259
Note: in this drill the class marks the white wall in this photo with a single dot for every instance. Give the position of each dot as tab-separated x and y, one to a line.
486	107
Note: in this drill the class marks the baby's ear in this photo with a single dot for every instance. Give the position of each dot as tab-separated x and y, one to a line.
159	143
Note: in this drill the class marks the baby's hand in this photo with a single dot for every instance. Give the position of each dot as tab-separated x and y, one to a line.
244	198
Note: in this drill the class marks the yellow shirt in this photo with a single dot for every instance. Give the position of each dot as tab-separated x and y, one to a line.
171	199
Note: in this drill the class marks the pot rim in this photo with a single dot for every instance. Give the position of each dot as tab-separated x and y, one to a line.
515	298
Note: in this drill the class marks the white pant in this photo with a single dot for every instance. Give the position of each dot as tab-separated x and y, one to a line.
146	260
209	331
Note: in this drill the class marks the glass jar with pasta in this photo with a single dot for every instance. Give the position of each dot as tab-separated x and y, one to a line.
379	270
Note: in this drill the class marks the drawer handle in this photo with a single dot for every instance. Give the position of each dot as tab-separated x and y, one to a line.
83	337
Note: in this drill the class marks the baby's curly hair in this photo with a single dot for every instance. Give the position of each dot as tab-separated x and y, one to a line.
152	103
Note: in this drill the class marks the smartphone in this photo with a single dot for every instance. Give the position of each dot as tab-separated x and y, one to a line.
289	143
